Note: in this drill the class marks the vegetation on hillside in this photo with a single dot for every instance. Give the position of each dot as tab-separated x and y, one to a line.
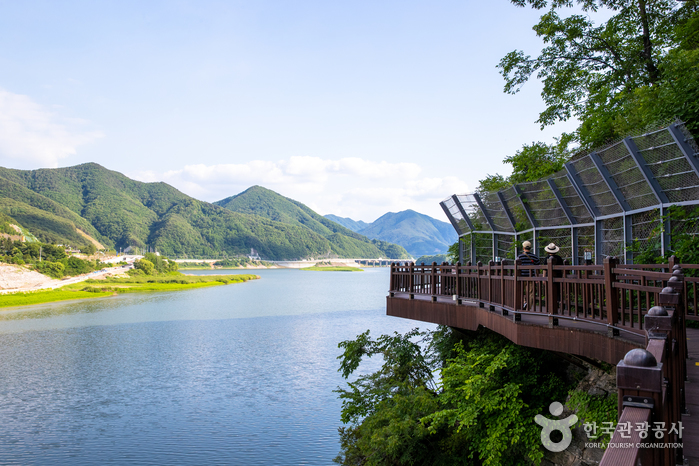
120	212
479	411
342	241
439	258
45	258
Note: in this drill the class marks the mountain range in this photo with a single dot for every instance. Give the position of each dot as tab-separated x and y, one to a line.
419	234
88	203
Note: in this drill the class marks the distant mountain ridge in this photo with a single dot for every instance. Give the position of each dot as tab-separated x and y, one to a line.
354	225
266	203
119	212
419	234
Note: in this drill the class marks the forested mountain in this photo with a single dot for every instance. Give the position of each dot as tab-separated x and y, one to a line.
354	225
419	234
343	241
119	212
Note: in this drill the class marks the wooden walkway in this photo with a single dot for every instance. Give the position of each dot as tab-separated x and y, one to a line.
691	422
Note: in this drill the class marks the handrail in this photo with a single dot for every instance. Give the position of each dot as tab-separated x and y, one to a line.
650	385
639	301
611	293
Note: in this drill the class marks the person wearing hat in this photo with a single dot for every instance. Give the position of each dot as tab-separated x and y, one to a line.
528	258
552	255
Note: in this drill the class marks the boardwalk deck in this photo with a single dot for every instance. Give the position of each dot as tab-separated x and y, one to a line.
599	312
691	422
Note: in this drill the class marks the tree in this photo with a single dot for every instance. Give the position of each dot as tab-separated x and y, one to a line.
144	265
590	71
480	413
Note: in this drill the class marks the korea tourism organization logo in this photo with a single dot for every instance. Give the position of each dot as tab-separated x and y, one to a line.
651	435
550	426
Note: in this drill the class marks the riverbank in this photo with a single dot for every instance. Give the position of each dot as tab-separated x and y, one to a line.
333	269
112	286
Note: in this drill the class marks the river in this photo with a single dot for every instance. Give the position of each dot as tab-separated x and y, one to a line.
236	374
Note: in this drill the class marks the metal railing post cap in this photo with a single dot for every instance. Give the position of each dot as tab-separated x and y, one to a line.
638	357
657	311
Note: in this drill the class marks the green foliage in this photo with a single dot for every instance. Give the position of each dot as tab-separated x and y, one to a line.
145	266
636	69
439	258
453	253
481	413
342	241
594	410
52	269
120	212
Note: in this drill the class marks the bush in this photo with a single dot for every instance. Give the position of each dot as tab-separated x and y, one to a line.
145	266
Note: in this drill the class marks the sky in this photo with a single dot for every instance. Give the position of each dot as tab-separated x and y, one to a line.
353	108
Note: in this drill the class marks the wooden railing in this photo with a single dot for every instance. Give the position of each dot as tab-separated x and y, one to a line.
651	388
608	294
649	300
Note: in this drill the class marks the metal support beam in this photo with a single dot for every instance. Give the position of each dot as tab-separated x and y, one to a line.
599	237
574	243
686	149
609	181
582	191
485	211
467	219
510	218
647	174
561	201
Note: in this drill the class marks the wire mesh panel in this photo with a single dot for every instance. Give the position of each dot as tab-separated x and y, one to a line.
621	189
570	196
561	237
594	183
496	211
470	205
513	203
586	243
461	225
613	238
483	246
628	176
506	246
669	165
543	204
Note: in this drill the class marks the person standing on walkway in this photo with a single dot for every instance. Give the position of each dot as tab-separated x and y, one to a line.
528	258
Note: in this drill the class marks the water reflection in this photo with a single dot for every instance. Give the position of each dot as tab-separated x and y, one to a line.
237	374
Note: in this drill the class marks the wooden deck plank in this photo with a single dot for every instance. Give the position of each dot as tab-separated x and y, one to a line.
690	423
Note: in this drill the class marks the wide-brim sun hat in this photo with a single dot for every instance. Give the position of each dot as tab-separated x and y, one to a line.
552	248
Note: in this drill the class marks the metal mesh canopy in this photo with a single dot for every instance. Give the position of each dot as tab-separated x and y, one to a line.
601	202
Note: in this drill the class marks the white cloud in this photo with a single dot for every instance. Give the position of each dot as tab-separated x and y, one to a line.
31	134
350	187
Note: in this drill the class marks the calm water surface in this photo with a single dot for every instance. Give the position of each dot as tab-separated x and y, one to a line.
237	374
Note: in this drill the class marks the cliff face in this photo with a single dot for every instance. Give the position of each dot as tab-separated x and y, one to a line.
598	384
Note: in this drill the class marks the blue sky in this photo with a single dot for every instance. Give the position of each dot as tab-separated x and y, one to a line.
354	108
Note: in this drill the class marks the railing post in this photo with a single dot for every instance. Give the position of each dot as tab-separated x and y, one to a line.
639	380
502	285
479	264
550	298
518	289
411	280
611	294
490	285
457	288
433	282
